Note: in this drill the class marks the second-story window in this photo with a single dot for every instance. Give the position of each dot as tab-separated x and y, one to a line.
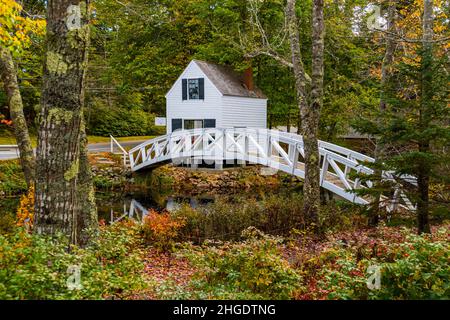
194	89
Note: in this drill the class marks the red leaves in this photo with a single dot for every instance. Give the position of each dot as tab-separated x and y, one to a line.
6	122
179	270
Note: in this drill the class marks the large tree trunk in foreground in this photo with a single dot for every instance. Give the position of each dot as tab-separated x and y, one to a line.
423	177
59	173
9	76
87	217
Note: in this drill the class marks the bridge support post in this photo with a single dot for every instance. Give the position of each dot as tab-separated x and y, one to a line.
218	165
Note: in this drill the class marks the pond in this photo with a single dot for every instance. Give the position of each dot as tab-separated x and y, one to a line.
115	206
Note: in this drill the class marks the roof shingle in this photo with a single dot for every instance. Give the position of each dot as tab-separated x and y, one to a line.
228	81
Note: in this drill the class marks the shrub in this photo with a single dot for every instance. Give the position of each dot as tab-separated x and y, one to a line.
275	214
415	267
25	212
421	269
36	267
161	229
252	269
7	222
225	220
12	181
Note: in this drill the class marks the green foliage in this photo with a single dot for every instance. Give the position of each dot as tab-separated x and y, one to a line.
12	181
142	47
412	130
420	270
7	221
414	268
36	267
120	121
252	269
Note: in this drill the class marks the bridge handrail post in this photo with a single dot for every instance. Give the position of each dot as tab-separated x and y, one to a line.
124	152
113	140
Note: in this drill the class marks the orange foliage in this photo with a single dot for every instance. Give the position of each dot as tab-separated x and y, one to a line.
161	229
4	121
7	122
25	212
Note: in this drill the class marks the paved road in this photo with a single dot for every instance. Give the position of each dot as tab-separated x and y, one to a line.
93	148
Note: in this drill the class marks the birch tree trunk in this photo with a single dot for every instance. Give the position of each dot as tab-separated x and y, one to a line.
9	77
58	174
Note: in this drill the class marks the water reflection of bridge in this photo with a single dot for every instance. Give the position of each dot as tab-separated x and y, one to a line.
133	209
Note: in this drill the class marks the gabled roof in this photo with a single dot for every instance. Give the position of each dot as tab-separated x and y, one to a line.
228	81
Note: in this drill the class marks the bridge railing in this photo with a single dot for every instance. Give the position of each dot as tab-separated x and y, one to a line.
281	151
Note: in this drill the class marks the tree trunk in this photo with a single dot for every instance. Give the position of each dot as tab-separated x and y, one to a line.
288	122
389	53
423	175
87	217
311	195
386	66
423	182
58	175
9	77
311	116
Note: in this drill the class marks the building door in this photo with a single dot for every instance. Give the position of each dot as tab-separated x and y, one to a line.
177	124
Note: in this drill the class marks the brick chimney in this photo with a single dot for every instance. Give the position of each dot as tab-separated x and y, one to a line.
248	79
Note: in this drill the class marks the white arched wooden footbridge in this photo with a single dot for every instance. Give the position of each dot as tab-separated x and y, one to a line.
274	149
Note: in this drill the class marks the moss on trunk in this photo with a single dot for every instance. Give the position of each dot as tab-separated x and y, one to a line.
9	77
63	183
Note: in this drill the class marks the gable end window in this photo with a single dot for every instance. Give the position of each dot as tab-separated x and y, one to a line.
193	89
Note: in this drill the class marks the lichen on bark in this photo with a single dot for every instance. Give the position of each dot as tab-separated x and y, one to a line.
78	37
59	115
55	63
72	172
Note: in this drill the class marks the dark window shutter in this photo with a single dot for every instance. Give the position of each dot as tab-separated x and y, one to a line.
184	85
177	124
201	85
210	123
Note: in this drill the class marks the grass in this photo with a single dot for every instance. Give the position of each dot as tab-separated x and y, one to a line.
96	139
7	138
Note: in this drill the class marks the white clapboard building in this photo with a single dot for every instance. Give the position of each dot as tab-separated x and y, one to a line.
208	95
